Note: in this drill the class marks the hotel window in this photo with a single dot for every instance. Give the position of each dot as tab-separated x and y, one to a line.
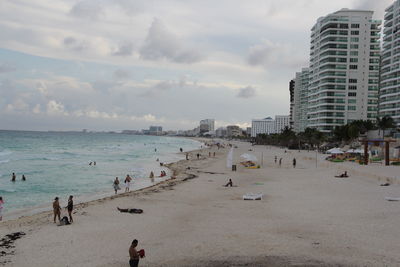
351	107
354	46
353	53
352	101
355	32
352	87
353	59
355	26
353	67
352	94
354	39
352	80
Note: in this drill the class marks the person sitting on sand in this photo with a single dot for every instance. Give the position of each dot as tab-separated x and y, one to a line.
230	183
130	210
70	207
23	178
343	175
13	177
116	185
56	210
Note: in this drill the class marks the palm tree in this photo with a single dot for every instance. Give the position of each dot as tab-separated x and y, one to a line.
384	123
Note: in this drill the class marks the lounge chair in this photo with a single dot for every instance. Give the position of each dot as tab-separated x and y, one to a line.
252	196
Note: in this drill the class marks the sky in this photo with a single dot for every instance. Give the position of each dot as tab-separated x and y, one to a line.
128	64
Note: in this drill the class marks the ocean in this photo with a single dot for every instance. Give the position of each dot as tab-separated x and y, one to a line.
57	164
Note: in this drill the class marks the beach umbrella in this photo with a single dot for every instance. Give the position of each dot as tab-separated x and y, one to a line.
358	151
249	157
335	151
350	151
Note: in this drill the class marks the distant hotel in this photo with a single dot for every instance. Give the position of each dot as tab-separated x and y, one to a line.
269	126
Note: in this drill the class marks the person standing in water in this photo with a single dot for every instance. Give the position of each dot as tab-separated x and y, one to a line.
13	177
128	180
70	207
23	178
116	185
56	210
151	176
1	208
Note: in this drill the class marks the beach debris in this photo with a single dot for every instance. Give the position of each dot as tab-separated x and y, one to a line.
385	184
392	198
7	245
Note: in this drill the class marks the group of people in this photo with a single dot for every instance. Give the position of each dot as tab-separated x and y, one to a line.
127	182
14	177
94	163
57	210
280	161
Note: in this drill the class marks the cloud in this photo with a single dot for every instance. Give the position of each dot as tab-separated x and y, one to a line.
162	44
87	9
6	68
247	92
125	49
73	44
120	74
55	108
378	6
272	55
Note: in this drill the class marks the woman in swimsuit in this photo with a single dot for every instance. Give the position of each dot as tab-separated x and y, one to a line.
56	210
70	207
1	208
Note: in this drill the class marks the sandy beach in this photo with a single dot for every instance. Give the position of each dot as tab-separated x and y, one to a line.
306	218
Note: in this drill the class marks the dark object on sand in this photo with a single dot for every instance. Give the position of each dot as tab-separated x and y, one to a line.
385	184
230	183
343	175
138	211
64	221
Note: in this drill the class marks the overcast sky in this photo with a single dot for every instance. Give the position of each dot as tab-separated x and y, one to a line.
128	64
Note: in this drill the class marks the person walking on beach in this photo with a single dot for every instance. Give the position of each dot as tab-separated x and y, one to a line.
128	180
294	163
133	254
116	185
13	177
151	176
70	207
56	210
187	156
280	162
276	158
1	208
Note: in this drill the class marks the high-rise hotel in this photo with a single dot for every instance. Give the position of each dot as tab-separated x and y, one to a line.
389	98
344	69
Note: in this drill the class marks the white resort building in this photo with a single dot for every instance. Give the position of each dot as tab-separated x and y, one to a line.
389	97
344	69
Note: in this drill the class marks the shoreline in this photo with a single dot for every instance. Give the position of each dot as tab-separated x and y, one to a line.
175	170
93	196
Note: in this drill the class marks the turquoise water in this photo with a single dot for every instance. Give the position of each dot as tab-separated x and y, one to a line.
57	164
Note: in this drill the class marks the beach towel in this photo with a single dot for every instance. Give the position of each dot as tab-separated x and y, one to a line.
252	196
141	253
